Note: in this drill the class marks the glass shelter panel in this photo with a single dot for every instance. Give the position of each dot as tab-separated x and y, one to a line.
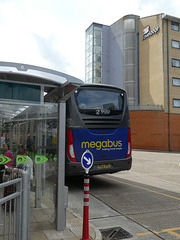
16	91
33	128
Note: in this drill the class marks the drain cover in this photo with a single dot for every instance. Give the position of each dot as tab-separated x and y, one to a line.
115	233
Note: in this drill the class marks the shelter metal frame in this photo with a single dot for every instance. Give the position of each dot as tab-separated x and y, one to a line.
59	87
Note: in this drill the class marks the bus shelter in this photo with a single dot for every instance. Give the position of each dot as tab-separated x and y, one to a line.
33	117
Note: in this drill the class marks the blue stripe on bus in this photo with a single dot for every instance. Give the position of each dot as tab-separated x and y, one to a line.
105	144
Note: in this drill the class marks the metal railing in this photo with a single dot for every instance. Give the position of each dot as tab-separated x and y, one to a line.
15	208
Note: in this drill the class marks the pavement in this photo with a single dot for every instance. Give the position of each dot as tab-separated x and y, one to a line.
73	230
74	223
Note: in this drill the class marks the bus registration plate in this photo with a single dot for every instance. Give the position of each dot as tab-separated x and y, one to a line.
103	166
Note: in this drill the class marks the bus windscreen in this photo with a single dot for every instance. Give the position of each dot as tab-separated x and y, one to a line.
98	101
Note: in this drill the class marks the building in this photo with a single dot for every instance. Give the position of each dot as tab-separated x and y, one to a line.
141	55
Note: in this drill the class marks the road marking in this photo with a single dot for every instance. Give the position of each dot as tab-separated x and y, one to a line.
142	234
168	230
143	188
174	234
153	177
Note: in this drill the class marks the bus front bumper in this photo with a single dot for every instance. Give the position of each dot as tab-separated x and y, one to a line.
99	167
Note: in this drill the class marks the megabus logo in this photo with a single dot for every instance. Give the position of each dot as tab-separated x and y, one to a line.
98	145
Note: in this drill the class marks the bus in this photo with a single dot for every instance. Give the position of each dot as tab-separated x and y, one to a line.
98	120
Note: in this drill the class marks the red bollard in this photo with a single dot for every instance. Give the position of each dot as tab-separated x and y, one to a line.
85	233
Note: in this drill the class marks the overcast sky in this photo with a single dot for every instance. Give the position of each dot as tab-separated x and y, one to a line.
51	33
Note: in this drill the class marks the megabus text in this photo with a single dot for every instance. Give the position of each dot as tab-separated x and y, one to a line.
102	144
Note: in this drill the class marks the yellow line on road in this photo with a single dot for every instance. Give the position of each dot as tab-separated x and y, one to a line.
142	234
171	231
146	189
168	230
174	234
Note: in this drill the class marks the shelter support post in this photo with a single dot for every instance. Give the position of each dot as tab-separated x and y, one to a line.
62	191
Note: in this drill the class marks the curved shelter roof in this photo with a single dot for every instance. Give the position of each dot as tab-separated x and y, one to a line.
57	85
33	74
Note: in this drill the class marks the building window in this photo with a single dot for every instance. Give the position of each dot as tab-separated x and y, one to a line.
94	53
97	42
97	73
97	52
175	44
97	58
176	103
176	81
175	26
89	55
176	63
